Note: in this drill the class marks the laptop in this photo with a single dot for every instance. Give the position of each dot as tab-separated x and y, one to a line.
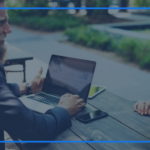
64	75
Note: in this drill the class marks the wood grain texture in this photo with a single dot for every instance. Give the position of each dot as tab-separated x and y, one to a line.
122	110
108	129
65	136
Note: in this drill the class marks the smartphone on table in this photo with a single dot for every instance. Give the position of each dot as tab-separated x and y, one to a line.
95	90
85	118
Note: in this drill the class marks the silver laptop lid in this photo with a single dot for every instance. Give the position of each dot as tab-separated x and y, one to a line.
69	75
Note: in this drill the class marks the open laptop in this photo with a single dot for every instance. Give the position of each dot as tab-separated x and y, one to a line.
64	75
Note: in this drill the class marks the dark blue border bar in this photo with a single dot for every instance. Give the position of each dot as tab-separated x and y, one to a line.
74	141
64	8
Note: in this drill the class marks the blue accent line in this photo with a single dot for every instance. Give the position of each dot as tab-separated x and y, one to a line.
64	8
74	141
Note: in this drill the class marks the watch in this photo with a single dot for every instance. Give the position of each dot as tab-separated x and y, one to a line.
29	89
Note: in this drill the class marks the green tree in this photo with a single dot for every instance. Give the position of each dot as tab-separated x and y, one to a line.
63	3
77	3
124	3
142	3
28	12
97	3
37	3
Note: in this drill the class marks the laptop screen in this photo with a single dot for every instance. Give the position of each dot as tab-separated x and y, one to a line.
69	75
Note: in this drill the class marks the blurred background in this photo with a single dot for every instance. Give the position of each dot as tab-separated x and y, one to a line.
118	40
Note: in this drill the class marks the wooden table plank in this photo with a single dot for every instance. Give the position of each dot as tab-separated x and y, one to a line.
65	136
108	129
122	110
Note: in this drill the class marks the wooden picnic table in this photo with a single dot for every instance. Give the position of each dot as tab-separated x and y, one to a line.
17	56
122	124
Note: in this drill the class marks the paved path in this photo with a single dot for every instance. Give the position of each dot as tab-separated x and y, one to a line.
132	17
119	78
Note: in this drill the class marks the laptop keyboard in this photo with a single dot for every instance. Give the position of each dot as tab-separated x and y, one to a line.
50	100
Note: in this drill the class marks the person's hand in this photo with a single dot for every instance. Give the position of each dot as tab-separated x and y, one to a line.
142	107
72	103
37	83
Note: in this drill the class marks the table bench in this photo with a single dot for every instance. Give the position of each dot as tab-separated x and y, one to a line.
17	56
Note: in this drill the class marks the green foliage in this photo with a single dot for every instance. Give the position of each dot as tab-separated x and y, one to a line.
142	3
37	3
143	55
27	3
89	37
54	22
62	3
48	20
136	51
127	48
132	50
77	3
15	3
28	12
124	3
97	3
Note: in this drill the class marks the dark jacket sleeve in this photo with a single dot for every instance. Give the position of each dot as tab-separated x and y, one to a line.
14	89
18	120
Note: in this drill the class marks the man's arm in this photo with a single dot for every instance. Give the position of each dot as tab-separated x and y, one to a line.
36	86
23	123
19	121
16	89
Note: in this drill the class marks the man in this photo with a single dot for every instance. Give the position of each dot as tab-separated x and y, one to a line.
17	119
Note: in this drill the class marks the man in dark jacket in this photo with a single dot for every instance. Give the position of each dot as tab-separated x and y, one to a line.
15	117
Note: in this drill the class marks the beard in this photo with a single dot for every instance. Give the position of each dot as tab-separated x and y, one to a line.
3	51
